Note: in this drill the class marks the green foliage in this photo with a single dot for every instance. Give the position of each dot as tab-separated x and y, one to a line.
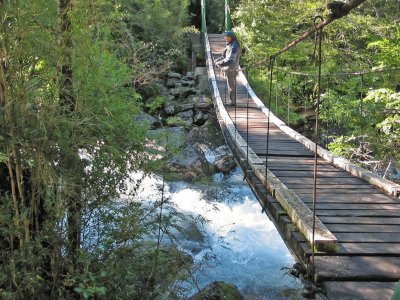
50	154
177	121
367	39
155	104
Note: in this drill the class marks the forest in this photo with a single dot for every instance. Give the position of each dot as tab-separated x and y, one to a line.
74	76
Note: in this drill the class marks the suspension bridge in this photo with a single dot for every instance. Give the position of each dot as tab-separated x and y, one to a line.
341	222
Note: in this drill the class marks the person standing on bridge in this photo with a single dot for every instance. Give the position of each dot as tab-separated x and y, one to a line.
229	62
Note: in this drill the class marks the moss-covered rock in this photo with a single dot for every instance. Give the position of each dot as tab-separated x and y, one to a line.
219	290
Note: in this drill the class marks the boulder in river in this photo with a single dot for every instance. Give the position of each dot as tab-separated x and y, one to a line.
225	164
218	290
189	164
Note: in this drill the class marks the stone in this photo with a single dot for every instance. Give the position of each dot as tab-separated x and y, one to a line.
173	83
218	290
204	103
200	118
186	116
225	164
182	92
190	75
200	133
173	106
152	121
190	83
169	105
200	71
189	164
174	75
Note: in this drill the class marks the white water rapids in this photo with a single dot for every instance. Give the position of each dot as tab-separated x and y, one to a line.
247	248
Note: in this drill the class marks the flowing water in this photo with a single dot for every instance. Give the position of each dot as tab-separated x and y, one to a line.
245	247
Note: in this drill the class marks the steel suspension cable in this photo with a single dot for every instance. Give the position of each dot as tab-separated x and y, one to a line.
271	69
319	38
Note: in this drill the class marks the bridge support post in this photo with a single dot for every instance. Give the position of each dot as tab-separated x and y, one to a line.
203	16
228	21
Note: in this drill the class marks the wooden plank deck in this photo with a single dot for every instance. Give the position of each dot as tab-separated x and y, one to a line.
364	220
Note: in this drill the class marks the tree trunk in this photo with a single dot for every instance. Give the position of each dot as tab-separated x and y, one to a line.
70	155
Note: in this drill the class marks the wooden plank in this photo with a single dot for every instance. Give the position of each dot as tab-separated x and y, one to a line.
331	186
372	228
354	290
324	181
369	249
299	213
321	174
348	198
367	268
356	249
358	206
357	213
376	237
360	220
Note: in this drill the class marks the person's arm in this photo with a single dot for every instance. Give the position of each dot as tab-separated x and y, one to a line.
221	58
227	61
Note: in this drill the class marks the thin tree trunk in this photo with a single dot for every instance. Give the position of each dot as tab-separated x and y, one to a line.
68	103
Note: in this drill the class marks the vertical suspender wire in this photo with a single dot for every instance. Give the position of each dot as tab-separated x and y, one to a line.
235	96
276	99
362	112
319	37
247	122
271	71
289	94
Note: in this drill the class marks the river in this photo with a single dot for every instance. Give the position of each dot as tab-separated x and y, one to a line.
245	247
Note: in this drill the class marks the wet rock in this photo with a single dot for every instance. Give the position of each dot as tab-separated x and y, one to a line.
225	164
200	118
152	121
218	290
174	75
189	164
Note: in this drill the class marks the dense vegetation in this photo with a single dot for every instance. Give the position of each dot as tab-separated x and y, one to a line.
74	75
73	78
367	39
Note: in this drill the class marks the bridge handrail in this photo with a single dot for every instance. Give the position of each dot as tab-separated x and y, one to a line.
388	186
299	212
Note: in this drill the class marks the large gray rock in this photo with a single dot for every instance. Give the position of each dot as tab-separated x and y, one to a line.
186	116
203	103
182	92
200	118
190	83
173	106
174	75
218	290
170	104
174	82
225	164
190	75
153	122
189	164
